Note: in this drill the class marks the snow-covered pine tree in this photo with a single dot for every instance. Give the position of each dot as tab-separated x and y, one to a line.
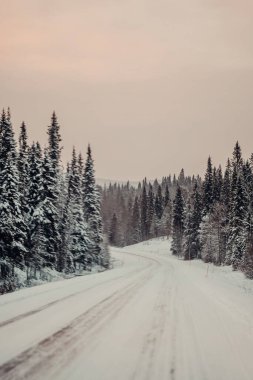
188	231
136	223
52	167
237	160
150	210
192	224
128	238
23	168
217	184
12	226
197	216
144	215
167	195
80	167
35	238
248	190
208	187
226	189
178	223
92	208
54	144
8	144
79	244
159	202
166	220
237	236
114	238
48	215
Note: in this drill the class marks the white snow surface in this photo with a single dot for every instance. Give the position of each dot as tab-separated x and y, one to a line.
151	317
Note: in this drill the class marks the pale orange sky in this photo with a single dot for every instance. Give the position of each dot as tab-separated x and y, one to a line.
153	85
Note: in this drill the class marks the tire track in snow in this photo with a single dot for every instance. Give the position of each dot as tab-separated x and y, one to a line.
55	302
153	362
66	343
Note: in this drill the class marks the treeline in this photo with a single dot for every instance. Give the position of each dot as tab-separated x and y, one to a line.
134	214
215	221
209	218
49	217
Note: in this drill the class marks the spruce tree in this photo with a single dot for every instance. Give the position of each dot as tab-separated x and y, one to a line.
136	223
237	238
54	147
47	214
144	215
188	231
79	243
237	161
114	231
35	237
178	223
150	210
12	227
8	144
159	203
208	187
23	167
193	217
92	208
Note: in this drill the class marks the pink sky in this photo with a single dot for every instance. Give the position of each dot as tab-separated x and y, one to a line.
153	85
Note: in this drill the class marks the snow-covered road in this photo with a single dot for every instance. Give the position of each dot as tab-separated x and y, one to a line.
151	317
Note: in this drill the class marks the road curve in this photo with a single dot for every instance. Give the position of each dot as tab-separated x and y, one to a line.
151	317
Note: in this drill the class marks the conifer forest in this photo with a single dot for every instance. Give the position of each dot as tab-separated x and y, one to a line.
50	218
208	218
56	218
126	190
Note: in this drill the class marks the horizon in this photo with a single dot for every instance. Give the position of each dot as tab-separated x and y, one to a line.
163	86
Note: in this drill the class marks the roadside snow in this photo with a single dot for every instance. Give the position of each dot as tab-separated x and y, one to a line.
151	317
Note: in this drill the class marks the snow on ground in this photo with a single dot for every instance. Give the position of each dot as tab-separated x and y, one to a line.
151	317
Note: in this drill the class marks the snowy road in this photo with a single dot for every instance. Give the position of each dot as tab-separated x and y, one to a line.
151	317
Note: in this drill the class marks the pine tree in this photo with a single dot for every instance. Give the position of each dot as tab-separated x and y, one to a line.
237	161
12	227
188	230
226	188
181	178
8	144
114	231
178	224
159	203
144	216
208	187
47	214
166	219
136	223
35	239
193	219
208	239
237	238
79	244
150	210
217	184
54	147
92	209
167	195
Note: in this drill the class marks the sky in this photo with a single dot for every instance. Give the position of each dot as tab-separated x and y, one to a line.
152	85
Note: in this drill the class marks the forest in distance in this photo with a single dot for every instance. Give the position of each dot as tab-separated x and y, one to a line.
210	218
58	221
